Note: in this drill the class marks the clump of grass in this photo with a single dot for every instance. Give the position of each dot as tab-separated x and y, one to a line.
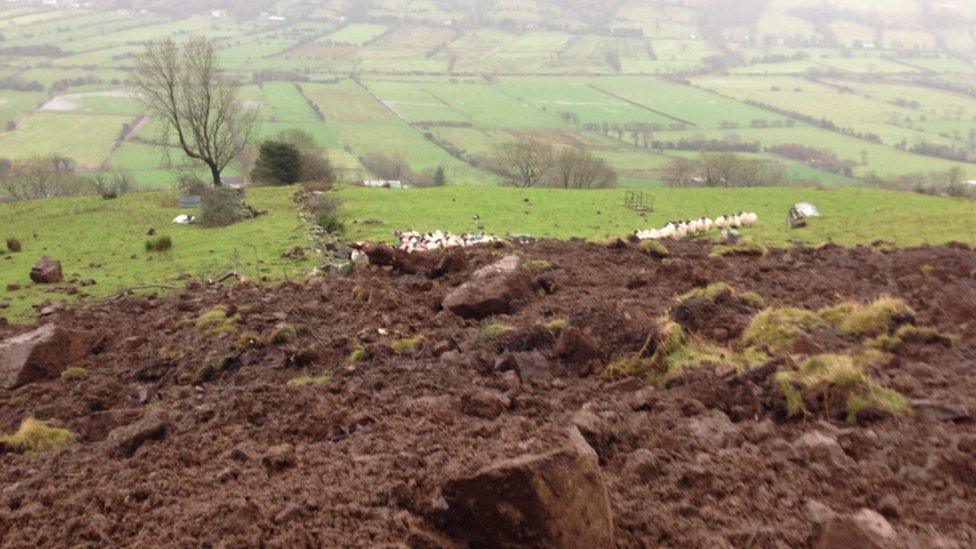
159	243
217	321
35	437
718	289
14	245
250	340
654	248
871	319
885	342
778	329
924	334
407	345
492	331
536	265
556	325
745	247
310	381
284	333
74	373
839	381
359	354
675	353
209	370
927	269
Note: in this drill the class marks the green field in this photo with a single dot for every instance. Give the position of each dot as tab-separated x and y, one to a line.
105	241
387	77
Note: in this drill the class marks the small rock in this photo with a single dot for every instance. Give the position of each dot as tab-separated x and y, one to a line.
227	474
123	442
279	458
484	404
46	271
864	529
532	367
818	512
821	447
13	287
942	412
576	347
713	429
88	282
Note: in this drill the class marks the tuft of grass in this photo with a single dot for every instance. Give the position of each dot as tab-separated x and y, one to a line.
536	265
358	355
35	437
885	342
74	373
209	370
927	269
14	245
746	247
838	380
924	334
217	321
284	333
556	325
492	331
718	289
778	329
654	248
408	345
675	353
250	340
309	381
880	316
160	243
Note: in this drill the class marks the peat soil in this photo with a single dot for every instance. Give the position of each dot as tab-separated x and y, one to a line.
238	457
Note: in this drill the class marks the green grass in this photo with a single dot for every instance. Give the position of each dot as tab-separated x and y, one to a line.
850	216
35	437
95	238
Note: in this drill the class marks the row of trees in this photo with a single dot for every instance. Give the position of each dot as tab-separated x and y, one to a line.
56	175
725	170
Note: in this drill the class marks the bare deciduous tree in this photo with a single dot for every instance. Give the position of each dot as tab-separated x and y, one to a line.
524	163
184	88
41	177
579	169
680	172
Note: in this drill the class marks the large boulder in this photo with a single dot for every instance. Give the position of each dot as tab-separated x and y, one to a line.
41	354
557	499
46	271
493	290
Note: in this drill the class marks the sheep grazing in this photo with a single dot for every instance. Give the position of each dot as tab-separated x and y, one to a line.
677	230
184	219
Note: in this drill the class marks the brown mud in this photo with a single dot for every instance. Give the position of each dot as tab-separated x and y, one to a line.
211	446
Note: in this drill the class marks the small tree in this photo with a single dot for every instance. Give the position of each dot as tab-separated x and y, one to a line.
680	172
524	163
579	169
440	179
277	164
184	89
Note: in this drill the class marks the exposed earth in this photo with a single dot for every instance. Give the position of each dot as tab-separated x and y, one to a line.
436	414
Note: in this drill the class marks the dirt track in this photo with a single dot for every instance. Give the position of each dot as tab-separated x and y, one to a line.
709	461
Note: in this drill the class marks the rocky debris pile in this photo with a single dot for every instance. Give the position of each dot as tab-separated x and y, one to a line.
546	394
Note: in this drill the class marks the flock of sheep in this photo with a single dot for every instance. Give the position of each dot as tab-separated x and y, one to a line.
412	241
676	230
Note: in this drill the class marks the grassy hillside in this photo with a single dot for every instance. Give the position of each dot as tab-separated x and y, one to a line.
105	241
